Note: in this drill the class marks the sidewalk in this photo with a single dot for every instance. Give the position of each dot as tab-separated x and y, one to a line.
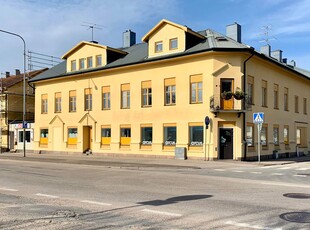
139	162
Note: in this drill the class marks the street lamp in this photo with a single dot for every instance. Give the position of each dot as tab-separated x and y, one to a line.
24	89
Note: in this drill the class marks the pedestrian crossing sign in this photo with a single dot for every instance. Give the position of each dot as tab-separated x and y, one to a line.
258	118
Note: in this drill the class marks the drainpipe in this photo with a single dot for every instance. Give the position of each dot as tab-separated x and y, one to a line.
244	104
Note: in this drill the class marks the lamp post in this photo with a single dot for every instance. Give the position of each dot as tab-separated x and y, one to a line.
24	89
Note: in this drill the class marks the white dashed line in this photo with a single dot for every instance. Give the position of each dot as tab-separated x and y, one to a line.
302	169
46	195
283	168
286	184
300	175
238	171
277	174
245	225
95	202
256	172
220	170
9	189
162	213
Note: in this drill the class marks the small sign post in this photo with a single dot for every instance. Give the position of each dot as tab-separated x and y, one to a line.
207	122
258	118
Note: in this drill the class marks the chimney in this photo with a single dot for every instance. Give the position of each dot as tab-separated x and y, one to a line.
17	72
7	74
284	60
234	31
129	38
265	50
277	54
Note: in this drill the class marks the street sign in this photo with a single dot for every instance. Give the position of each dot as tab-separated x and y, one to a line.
207	121
258	118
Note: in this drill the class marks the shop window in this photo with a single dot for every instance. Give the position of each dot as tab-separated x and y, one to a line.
43	137
72	136
170	135
196	135
21	136
146	135
105	136
125	136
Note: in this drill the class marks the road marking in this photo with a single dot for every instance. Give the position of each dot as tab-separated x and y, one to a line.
238	171
46	195
277	174
283	168
221	170
302	169
245	225
256	172
286	184
300	175
162	213
95	202
9	189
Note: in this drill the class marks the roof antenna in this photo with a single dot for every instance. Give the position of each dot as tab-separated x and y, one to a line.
92	26
266	34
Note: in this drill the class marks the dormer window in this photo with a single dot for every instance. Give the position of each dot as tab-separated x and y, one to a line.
82	63
158	47
173	43
73	65
89	62
98	60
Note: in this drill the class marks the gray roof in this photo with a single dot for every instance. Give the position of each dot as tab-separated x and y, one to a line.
138	53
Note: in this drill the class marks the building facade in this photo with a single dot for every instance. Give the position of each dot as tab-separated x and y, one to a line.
152	98
11	111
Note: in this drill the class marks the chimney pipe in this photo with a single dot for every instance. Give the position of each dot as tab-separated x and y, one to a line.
7	74
17	72
129	38
265	50
292	63
277	54
284	60
234	31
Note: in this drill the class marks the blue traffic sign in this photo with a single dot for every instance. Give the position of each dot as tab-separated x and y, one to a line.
258	118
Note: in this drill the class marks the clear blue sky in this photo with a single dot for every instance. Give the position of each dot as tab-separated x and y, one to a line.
54	26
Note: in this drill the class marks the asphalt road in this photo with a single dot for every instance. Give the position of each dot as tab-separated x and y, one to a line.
45	195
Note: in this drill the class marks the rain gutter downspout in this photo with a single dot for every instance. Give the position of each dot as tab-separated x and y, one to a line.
244	105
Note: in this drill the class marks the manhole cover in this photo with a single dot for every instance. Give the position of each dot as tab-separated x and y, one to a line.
298	217
297	195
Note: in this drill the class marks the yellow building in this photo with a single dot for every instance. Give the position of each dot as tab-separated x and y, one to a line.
151	99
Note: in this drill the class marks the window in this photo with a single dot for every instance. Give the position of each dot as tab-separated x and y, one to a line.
170	135
285	99
276	135
301	136
98	60
72	101
82	63
105	136
21	136
250	90
106	101
173	43
296	104
125	96
196	89
170	91
146	93
250	134
57	102
72	136
276	96
196	135
125	136
264	93
44	104
158	47
89	62
73	65
305	105
88	99
264	135
146	135
286	135
43	137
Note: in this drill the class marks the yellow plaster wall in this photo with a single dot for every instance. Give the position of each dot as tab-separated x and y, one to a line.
164	34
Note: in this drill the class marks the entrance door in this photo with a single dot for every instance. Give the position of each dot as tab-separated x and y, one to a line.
57	138
227	86
87	138
226	143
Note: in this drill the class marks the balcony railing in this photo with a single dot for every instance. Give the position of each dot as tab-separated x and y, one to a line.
219	104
